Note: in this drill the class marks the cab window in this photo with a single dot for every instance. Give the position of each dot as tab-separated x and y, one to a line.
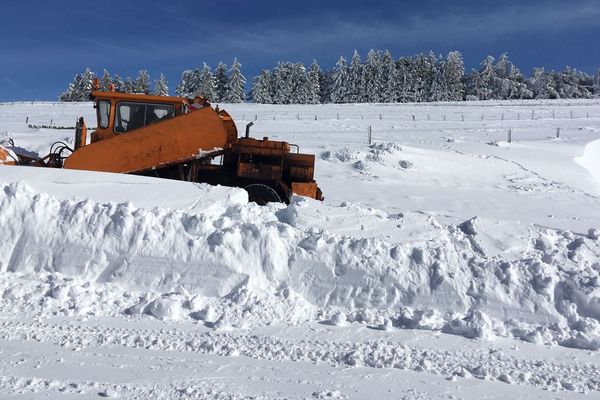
103	113
132	116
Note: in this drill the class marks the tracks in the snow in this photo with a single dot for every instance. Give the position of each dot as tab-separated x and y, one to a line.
481	363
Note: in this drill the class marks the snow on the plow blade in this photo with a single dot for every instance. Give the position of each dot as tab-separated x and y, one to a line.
241	264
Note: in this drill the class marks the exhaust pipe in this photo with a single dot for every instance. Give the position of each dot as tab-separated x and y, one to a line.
248	129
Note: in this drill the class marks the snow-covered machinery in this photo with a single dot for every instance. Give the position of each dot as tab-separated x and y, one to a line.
175	138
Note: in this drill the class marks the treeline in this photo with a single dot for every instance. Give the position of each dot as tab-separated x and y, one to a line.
227	85
378	79
421	78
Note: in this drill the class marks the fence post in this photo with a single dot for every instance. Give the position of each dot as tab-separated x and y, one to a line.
518	116
255	117
463	117
413	117
380	116
315	117
557	133
532	114
428	117
298	117
338	116
369	134
482	117
444	117
502	117
553	113
509	135
587	115
571	114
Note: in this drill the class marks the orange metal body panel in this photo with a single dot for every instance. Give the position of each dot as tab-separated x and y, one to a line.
308	189
154	145
5	158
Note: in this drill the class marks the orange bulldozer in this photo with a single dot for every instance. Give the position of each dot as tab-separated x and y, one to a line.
177	138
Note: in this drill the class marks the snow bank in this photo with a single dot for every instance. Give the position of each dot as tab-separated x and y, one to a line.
591	160
241	264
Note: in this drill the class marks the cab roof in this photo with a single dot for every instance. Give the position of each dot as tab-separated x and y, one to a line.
138	97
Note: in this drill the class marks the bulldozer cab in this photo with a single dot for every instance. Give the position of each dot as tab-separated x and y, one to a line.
119	113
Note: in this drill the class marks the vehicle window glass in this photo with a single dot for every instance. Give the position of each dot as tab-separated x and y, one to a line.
103	113
136	115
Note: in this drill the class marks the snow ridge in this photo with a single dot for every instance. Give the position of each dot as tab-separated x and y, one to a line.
244	265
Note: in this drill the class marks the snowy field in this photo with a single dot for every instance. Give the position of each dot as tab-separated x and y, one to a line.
445	262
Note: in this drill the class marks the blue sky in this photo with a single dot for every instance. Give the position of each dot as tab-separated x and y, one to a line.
44	43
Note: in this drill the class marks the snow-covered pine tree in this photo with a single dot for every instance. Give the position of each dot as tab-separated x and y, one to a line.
374	82
389	75
438	90
454	76
596	84
484	88
183	88
313	83
299	84
326	84
142	83
542	84
206	87
569	85
423	73
106	81
508	81
473	82
235	85
261	88
129	85
118	83
83	86
339	82
161	87
407	80
68	94
356	80
281	84
221	80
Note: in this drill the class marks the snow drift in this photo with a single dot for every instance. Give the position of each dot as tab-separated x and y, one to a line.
241	264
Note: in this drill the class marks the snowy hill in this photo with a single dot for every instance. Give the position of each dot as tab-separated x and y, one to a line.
441	251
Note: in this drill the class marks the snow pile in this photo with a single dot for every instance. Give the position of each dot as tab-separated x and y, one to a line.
591	160
241	265
382	153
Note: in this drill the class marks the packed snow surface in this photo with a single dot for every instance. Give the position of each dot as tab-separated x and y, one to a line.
442	250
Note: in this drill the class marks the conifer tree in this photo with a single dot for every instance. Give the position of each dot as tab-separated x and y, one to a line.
221	80
161	87
339	82
206	87
313	83
118	83
356	80
542	85
596	84
142	83
261	88
83	87
105	82
374	82
454	75
129	86
235	85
